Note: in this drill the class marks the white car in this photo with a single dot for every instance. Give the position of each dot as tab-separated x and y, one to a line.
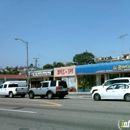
109	82
119	91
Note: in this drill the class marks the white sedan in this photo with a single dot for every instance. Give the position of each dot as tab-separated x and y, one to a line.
119	91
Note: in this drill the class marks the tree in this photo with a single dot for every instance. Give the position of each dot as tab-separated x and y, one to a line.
31	66
83	82
54	65
84	58
87	81
58	64
8	70
48	66
15	70
70	63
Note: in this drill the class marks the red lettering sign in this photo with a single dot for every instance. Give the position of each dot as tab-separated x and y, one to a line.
70	71
65	71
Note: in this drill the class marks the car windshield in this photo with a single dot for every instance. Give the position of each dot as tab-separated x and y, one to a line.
116	81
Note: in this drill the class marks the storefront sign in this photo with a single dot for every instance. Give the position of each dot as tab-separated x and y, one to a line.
116	68
123	67
39	74
64	71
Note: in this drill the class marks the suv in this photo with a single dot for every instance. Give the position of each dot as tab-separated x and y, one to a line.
54	88
109	82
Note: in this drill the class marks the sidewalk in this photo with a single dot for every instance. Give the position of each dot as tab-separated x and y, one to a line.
79	93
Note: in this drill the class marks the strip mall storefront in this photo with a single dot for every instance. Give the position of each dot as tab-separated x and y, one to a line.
40	75
105	71
67	74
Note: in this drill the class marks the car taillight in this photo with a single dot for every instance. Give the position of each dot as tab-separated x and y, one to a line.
57	88
16	89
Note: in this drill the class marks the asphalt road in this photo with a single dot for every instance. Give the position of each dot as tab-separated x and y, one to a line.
75	112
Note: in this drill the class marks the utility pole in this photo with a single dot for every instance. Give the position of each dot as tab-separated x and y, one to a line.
36	60
122	37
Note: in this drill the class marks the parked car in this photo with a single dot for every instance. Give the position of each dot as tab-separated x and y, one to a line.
13	88
115	91
109	82
55	88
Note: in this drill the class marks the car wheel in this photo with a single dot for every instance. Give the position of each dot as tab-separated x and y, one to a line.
97	97
49	95
127	97
11	95
31	95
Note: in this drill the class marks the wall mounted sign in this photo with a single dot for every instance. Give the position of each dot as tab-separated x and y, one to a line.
39	74
64	71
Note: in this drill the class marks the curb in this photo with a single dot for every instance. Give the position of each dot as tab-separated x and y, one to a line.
79	93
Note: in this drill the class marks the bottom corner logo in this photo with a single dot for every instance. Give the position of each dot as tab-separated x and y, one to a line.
123	124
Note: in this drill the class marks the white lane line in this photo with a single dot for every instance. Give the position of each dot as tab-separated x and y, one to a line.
17	110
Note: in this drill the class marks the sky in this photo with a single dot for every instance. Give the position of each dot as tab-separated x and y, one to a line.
57	30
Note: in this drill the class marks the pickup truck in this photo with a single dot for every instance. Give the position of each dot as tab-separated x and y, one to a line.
12	89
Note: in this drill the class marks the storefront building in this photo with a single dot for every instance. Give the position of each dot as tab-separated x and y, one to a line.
105	71
71	74
40	75
67	74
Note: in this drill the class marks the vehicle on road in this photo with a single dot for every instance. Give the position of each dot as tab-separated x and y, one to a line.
116	91
109	82
13	88
54	88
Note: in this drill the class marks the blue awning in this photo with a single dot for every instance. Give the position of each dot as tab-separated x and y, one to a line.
103	67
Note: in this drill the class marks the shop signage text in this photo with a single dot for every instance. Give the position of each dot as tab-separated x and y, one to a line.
40	74
117	68
69	71
123	67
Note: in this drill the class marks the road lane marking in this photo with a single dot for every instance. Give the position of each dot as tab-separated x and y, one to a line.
34	104
51	103
17	110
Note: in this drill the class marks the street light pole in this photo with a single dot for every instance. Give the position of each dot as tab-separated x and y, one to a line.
26	57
